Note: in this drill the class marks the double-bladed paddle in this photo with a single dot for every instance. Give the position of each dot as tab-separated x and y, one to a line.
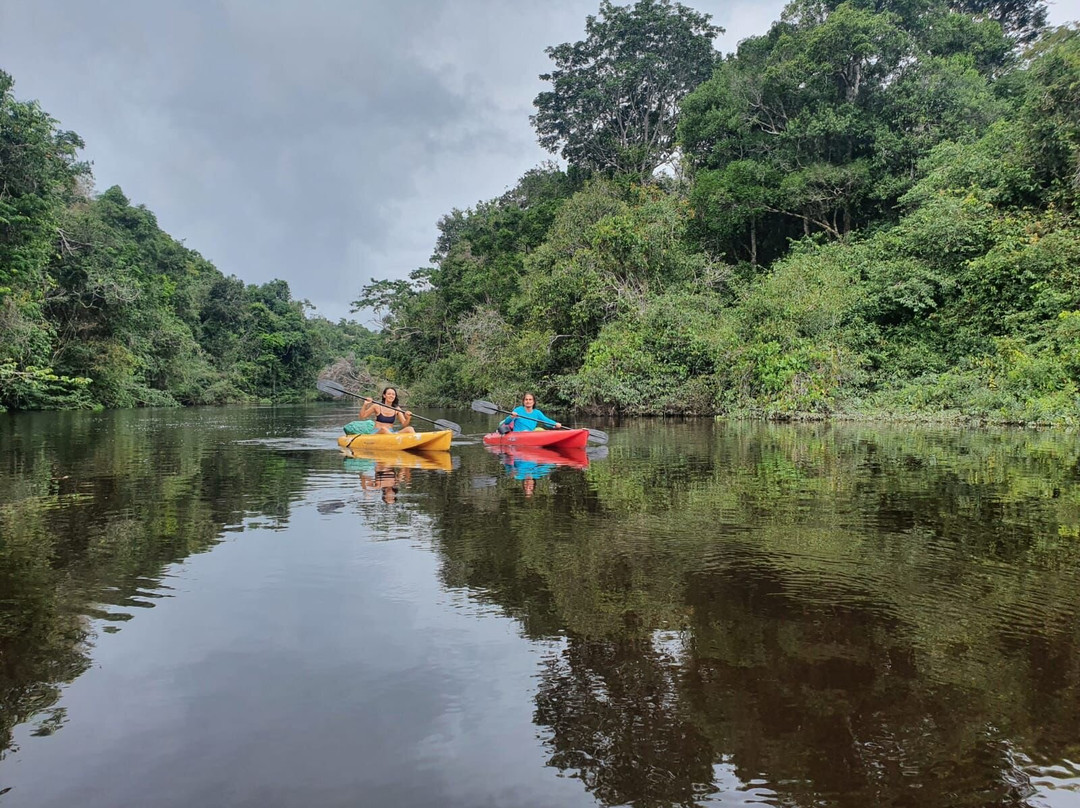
332	388
486	407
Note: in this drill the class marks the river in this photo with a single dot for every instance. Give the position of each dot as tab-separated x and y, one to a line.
215	607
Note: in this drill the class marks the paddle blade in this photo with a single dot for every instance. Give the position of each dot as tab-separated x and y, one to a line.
455	428
597	436
331	388
485	407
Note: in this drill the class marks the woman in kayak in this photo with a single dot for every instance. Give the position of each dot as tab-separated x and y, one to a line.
526	417
385	417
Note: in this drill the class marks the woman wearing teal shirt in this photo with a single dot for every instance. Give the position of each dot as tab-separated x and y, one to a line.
526	417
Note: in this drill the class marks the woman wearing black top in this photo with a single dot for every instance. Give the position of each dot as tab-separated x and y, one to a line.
385	417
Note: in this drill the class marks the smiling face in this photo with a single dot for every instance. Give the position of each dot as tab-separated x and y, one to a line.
389	396
529	401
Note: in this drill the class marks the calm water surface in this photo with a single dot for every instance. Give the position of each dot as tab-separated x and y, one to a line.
215	607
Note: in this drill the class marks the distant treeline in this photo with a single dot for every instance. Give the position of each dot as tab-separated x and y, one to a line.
869	209
100	307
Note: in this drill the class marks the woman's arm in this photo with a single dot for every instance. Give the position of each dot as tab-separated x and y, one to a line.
367	409
541	418
405	418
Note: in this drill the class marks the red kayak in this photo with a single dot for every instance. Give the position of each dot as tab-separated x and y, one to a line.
571	456
552	438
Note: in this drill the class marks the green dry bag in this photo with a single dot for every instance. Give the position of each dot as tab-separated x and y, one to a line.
359	428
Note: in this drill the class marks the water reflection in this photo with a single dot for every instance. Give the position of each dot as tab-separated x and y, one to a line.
534	462
91	507
612	713
528	464
387	472
867	616
825	615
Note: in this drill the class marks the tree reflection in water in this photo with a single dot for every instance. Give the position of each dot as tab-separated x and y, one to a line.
862	615
866	616
612	713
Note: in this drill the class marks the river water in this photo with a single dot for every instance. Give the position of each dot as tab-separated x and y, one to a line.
215	607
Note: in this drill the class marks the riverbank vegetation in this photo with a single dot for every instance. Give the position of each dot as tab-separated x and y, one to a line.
100	307
865	210
868	210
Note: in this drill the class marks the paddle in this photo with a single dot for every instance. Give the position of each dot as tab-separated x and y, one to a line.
488	408
332	388
596	452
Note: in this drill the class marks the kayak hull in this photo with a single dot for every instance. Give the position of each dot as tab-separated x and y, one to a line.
551	438
387	441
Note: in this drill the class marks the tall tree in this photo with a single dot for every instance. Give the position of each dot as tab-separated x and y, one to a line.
1022	20
615	95
819	125
40	175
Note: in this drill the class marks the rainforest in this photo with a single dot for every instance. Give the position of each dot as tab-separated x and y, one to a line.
869	210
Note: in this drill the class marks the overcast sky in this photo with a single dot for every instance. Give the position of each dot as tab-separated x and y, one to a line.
317	141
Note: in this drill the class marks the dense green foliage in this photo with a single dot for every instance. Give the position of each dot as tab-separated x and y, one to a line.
876	213
615	95
100	307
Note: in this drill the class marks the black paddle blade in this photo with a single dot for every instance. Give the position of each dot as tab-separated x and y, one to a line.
485	407
596	436
455	428
331	388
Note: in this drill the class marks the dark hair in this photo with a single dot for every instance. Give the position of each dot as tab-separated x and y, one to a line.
527	393
397	395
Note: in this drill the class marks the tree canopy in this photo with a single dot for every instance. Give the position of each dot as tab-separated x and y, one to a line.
100	307
875	213
614	99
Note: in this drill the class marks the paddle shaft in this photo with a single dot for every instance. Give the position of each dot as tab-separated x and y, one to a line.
343	391
542	422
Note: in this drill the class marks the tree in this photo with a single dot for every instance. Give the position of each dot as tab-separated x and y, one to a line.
819	125
615	95
1020	19
39	172
40	175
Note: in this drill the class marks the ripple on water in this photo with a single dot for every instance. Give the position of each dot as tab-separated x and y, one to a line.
1056	784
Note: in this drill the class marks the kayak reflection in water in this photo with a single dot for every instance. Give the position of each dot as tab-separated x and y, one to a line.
387	480
528	471
526	417
377	476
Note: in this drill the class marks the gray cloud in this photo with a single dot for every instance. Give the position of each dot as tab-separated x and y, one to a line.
317	142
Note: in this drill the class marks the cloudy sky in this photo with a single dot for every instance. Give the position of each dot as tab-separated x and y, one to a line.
317	141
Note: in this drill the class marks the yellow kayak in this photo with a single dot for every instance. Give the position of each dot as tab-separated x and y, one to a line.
387	441
398	458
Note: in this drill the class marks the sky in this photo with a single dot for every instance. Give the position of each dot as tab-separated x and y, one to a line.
318	141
